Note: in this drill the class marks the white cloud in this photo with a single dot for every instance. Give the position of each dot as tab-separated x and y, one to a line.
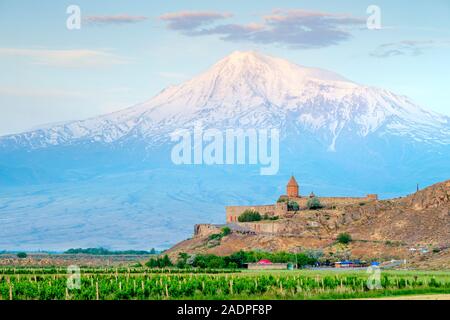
407	48
117	19
38	93
65	58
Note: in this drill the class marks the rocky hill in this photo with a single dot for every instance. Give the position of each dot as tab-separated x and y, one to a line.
416	228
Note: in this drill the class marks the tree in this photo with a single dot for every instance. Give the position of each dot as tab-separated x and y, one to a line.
182	260
314	204
21	255
293	206
249	216
166	261
159	262
344	238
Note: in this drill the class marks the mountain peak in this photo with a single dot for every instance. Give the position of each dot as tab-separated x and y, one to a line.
248	56
244	54
250	89
263	65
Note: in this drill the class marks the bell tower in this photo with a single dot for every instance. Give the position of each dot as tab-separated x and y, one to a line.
292	188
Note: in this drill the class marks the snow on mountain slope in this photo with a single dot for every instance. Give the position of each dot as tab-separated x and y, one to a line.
248	89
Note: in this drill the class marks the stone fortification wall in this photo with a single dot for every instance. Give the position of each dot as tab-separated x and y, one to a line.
233	212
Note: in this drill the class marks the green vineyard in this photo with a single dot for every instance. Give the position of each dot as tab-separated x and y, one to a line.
138	284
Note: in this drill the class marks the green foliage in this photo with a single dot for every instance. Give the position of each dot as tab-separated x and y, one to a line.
215	236
226	231
267	217
159	262
314	204
249	216
22	255
241	258
106	252
182	260
293	206
137	265
344	238
209	261
218	236
314	254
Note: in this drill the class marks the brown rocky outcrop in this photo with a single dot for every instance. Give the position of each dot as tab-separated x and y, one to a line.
437	195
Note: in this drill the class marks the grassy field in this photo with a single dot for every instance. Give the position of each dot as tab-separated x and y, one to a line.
142	283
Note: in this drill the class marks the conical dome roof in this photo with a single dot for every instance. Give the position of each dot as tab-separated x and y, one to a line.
292	182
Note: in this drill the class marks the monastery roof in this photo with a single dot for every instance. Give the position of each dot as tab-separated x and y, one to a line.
292	182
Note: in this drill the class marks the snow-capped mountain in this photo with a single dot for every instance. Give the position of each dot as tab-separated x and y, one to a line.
249	89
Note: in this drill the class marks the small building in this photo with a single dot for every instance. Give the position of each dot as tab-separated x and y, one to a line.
349	264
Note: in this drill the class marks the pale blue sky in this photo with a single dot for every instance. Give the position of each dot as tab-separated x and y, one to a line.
125	52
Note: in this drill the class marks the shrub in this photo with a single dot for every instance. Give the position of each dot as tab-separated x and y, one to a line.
218	236
182	260
249	216
21	255
344	238
209	261
159	262
293	206
215	236
137	265
314	204
226	231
